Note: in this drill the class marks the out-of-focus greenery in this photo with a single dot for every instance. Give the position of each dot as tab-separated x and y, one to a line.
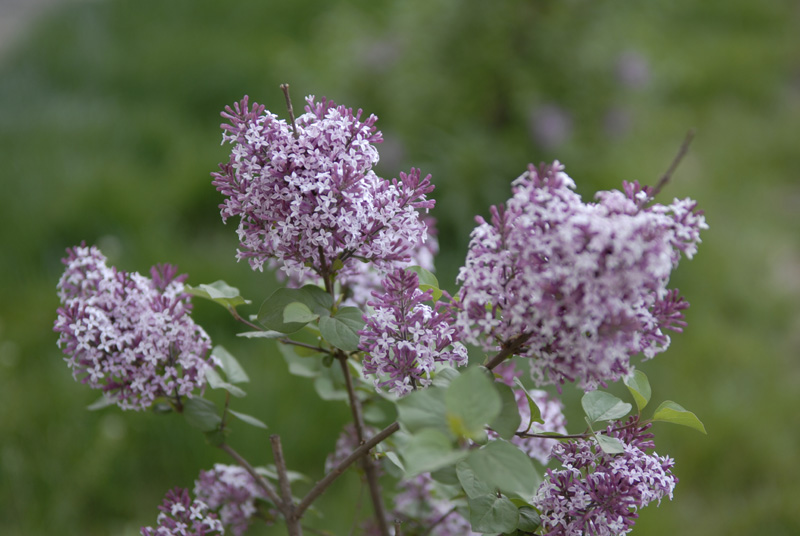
109	129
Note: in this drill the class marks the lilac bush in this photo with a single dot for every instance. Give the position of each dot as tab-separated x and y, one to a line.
568	290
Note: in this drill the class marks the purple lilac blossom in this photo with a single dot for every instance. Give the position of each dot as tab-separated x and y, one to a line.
182	516
129	335
232	492
309	197
404	338
550	408
600	494
579	287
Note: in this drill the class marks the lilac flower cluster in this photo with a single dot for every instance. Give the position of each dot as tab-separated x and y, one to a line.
579	287
127	334
599	494
232	492
306	193
551	409
182	516
404	338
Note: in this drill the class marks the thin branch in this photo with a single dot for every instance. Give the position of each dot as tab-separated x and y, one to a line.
305	345
260	480
674	165
285	89
239	318
367	463
508	349
292	519
584	435
337	471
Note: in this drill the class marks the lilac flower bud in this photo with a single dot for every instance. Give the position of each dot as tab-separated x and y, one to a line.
129	335
232	492
307	196
599	494
404	338
579	287
180	516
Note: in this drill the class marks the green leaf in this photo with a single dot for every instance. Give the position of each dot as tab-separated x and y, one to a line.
446	475
507	422
427	281
395	459
673	412
341	329
215	381
506	468
102	402
639	387
443	377
472	402
609	445
268	334
471	484
493	514
249	419
429	450
423	409
327	390
602	406
529	519
234	372
304	367
218	291
272	310
536	413
298	312
201	413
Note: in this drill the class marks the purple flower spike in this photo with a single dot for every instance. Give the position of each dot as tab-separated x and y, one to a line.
579	287
405	338
129	335
599	494
309	198
181	516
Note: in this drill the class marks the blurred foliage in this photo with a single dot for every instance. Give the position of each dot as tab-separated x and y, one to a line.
109	129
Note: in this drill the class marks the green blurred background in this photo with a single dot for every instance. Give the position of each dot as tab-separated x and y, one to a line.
109	130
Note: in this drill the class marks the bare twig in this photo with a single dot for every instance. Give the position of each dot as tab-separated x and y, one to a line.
292	519
369	467
508	349
285	89
260	480
337	471
674	165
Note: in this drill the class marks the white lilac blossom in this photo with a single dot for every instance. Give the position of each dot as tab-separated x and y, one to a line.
232	492
599	494
129	335
307	196
182	516
579	287
404	338
551	410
